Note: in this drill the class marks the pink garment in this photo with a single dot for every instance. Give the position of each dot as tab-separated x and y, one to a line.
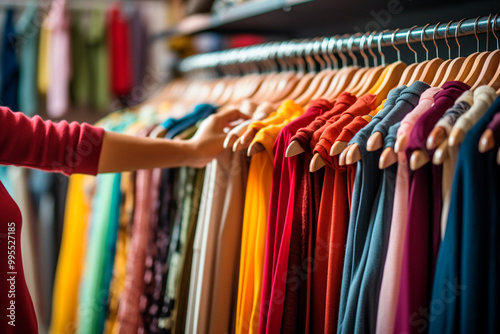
59	71
389	289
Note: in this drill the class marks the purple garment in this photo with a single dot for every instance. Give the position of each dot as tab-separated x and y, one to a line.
424	218
494	126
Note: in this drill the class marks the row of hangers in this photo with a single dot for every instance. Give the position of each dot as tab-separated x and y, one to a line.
258	78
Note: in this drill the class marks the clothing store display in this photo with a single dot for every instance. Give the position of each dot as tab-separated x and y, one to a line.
344	199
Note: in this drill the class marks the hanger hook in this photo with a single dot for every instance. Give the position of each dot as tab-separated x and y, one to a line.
361	49
340	41
408	43
381	35
475	32
350	42
488	33
316	47
370	40
494	28
457	29
332	44
434	38
422	35
393	45
324	52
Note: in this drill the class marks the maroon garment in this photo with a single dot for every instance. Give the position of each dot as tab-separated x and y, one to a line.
280	197
120	52
301	217
56	147
424	216
306	134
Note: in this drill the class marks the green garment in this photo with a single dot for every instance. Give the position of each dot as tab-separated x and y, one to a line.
28	31
100	254
98	61
80	82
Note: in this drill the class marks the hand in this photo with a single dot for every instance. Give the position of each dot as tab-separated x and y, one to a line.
208	141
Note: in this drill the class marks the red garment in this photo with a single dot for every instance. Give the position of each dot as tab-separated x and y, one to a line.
282	191
305	135
333	218
120	52
361	107
352	128
32	142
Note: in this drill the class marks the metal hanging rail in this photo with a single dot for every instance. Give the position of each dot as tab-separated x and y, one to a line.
259	52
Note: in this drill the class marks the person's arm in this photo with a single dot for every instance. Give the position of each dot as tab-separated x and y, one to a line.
71	148
121	152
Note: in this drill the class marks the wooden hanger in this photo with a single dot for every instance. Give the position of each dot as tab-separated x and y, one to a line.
387	158
488	75
372	75
389	81
328	44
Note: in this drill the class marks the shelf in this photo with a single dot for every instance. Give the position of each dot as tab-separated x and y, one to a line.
310	18
238	14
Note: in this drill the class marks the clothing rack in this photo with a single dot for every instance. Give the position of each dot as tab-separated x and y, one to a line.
336	44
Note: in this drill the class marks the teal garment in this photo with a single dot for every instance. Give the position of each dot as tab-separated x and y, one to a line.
80	81
466	293
98	61
100	254
28	32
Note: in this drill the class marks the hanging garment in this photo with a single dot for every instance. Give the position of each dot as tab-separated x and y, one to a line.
283	194
424	205
225	281
375	246
139	53
80	58
465	292
389	289
119	52
59	55
98	51
94	290
28	31
255	217
9	64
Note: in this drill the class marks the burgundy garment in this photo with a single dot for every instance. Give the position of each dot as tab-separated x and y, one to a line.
424	217
306	134
120	52
280	197
56	147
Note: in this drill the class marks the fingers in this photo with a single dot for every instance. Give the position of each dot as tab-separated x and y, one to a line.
231	115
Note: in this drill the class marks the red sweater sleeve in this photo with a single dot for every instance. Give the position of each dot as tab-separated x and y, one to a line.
56	147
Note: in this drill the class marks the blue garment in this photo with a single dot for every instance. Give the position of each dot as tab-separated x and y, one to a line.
392	135
9	65
176	126
28	31
466	291
368	236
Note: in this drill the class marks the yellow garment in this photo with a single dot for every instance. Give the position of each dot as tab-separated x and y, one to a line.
71	255
43	59
375	111
380	80
255	219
